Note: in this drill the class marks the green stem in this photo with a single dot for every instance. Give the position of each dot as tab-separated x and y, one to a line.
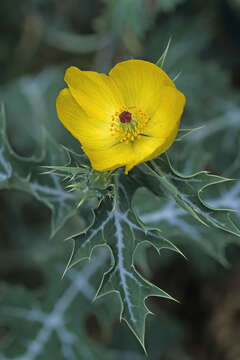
165	182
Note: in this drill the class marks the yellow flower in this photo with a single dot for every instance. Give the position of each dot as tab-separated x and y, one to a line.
124	118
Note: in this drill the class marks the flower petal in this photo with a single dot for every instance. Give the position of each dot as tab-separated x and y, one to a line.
86	109
112	158
96	93
162	128
167	117
88	131
143	149
141	83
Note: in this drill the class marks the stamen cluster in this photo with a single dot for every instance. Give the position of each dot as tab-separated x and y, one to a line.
128	124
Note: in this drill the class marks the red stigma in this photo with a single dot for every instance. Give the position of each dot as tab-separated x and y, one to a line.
125	117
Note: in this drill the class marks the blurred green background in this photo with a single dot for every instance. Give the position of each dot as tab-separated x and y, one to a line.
39	39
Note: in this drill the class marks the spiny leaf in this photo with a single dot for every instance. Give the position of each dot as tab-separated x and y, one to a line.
184	231
187	192
20	173
162	58
184	132
52	323
117	227
86	182
226	195
227	123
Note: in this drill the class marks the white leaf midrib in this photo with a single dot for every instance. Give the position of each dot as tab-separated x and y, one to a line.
54	321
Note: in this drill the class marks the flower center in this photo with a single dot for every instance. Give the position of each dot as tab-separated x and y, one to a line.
125	117
128	124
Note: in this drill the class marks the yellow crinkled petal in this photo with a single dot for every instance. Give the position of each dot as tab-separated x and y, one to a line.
87	107
166	143
111	158
85	129
166	118
161	129
143	148
96	93
141	83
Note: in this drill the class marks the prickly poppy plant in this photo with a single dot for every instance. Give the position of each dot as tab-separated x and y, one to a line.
127	117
